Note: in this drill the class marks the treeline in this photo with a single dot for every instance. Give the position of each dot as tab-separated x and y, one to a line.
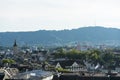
105	57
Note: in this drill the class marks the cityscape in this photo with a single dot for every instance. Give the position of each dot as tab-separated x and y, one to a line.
80	61
59	40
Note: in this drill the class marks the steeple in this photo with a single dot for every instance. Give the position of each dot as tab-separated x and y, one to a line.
15	44
15	47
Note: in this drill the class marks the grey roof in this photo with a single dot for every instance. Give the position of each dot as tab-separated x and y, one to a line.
33	74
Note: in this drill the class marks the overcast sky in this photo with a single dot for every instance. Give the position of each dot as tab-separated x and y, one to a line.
31	15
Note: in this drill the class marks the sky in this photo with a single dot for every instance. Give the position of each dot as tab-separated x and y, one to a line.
32	15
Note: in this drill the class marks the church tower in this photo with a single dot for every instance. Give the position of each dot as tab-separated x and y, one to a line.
15	48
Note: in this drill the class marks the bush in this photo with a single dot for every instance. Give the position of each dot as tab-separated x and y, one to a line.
10	61
63	70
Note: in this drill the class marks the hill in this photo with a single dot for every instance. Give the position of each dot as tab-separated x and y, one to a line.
44	37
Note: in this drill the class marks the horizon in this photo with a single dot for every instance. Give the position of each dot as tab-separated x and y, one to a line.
65	29
33	15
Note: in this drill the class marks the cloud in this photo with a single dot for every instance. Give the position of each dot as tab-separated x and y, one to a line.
54	14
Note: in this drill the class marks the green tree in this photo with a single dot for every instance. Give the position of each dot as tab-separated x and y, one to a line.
73	54
8	62
93	56
60	53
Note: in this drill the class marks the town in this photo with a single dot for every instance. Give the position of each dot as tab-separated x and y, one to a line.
59	63
59	39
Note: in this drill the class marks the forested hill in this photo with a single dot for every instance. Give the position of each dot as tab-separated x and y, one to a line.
44	37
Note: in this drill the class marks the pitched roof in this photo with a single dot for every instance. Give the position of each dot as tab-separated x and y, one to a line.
66	63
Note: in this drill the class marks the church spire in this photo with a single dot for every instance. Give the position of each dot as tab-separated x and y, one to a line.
15	44
15	47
